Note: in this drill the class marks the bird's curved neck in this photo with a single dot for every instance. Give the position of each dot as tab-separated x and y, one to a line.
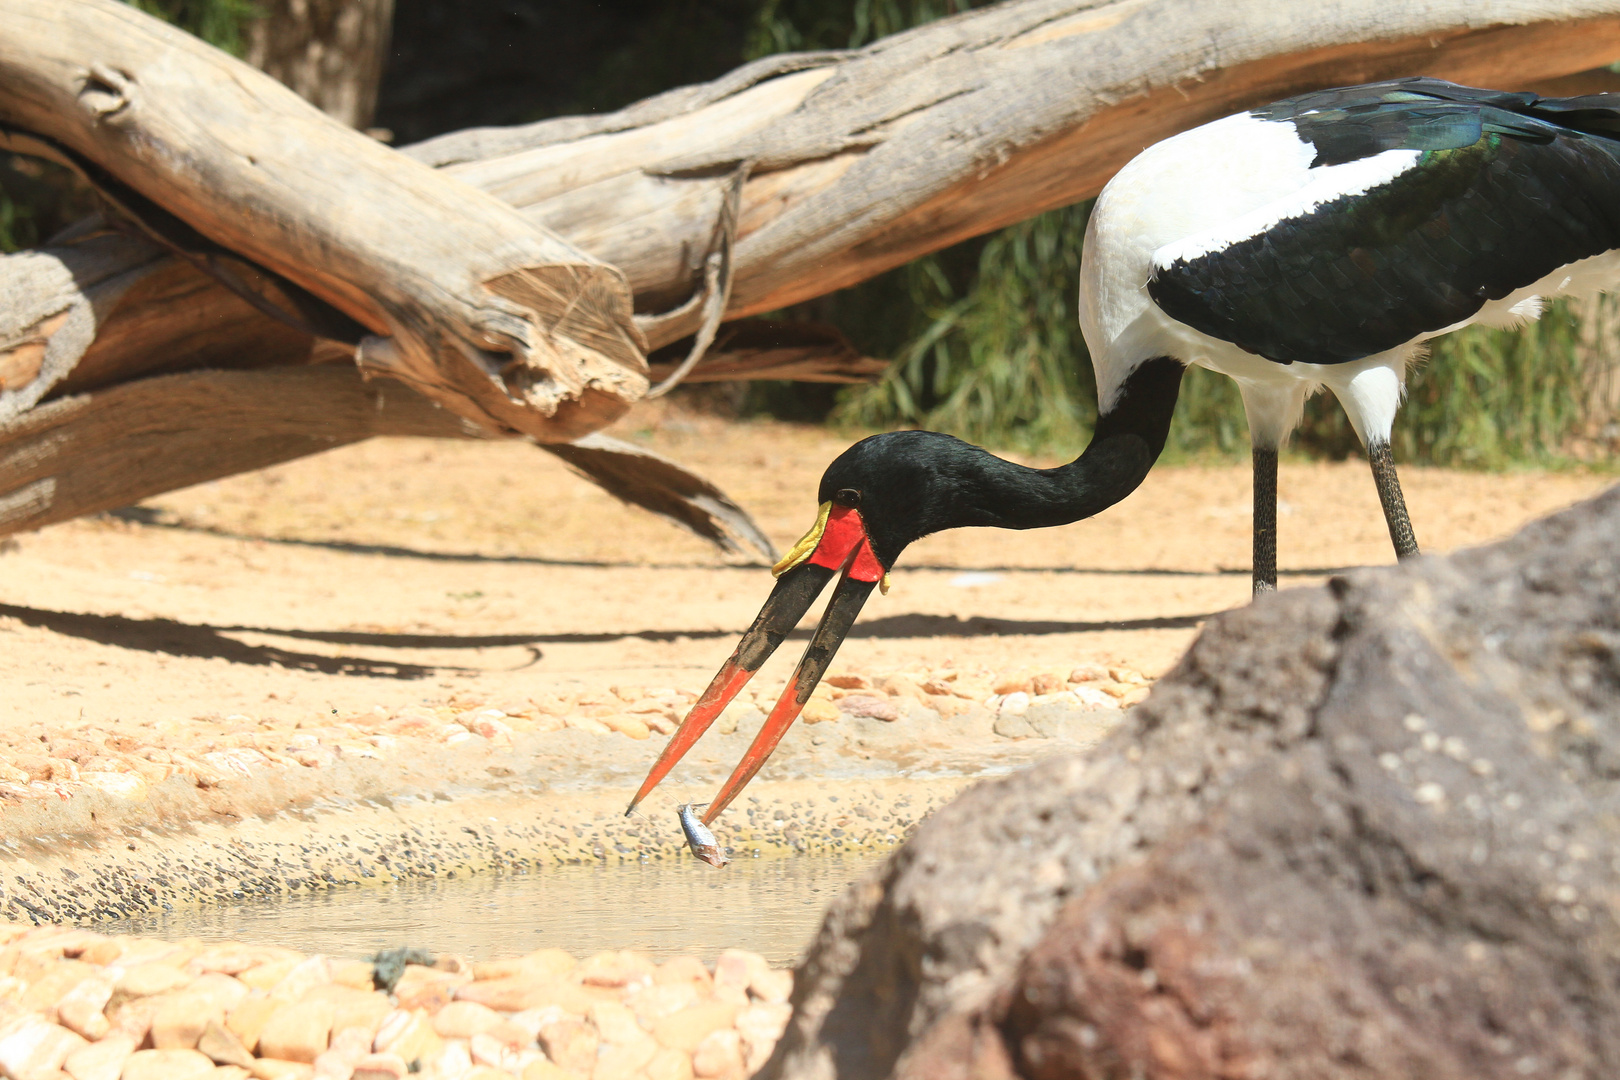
1126	443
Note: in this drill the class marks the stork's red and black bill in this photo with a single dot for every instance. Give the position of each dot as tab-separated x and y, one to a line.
836	546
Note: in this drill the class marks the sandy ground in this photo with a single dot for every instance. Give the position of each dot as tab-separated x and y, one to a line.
400	573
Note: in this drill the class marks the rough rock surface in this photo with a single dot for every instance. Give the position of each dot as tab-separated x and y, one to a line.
1366	830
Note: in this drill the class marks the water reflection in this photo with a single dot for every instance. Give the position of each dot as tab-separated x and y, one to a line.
770	906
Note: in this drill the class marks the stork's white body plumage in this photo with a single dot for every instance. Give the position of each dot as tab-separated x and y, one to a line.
1321	240
1225	182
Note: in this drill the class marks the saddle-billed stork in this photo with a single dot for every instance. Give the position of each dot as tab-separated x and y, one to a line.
1315	242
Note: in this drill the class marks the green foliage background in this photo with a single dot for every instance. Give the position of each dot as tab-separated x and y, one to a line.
221	23
984	335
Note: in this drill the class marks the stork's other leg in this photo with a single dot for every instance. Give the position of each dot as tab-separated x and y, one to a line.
1389	493
1265	519
1273	411
1370	399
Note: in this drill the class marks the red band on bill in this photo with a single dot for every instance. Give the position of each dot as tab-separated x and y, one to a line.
845	531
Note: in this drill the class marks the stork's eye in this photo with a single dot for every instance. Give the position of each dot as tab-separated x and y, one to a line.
847	497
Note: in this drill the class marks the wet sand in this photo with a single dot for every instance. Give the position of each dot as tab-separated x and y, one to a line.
666	908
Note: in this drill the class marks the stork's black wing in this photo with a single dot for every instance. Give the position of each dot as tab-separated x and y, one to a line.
1506	189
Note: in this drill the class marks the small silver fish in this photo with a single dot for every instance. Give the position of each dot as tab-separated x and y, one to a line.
698	836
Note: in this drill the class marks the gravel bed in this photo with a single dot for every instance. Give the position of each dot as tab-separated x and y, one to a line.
208	751
87	784
51	880
93	1007
210	812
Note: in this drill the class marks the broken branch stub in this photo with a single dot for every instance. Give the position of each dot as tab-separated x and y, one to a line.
470	303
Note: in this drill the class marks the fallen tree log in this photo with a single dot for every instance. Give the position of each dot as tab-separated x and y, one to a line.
79	317
98	307
88	453
1361	830
763	349
486	312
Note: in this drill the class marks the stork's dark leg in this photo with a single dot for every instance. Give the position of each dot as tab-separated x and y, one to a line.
1265	519
1389	493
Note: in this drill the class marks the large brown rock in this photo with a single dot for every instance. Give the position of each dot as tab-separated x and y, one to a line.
1365	830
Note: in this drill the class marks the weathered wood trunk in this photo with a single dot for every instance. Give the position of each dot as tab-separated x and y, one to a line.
132	416
485	312
86	453
859	161
329	52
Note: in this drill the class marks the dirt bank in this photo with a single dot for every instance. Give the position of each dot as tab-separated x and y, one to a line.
400	573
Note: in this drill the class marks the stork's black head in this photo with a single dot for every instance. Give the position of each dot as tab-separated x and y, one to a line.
905	485
875	499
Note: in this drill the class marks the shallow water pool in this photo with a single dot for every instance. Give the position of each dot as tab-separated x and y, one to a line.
770	906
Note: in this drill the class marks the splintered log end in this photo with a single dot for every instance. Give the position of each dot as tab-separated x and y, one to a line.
591	344
558	356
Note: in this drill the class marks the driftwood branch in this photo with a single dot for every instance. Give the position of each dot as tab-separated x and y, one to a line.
97	307
760	349
86	453
93	315
637	476
474	305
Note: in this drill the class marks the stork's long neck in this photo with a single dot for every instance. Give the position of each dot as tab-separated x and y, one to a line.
1126	443
917	483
